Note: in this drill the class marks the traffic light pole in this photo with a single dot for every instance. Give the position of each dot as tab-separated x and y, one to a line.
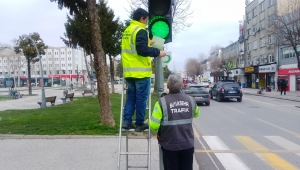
160	86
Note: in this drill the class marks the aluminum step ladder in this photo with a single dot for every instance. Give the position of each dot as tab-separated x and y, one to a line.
127	153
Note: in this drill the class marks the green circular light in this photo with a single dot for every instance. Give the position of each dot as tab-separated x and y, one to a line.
160	29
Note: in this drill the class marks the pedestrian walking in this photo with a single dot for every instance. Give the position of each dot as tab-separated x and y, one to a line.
137	69
172	116
239	82
278	85
283	85
71	86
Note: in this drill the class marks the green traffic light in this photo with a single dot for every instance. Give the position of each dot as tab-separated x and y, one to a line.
159	27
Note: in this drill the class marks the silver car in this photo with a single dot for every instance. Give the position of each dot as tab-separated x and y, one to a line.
199	92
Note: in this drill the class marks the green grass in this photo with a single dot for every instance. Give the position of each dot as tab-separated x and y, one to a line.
80	117
5	97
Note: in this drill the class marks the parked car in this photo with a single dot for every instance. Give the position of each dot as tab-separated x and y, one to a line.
186	82
199	93
226	90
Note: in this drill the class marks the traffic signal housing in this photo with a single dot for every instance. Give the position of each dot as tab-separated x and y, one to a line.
160	20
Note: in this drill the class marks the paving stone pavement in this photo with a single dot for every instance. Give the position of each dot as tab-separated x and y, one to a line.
31	152
19	152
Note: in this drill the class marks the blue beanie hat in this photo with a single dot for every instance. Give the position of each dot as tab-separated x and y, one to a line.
139	13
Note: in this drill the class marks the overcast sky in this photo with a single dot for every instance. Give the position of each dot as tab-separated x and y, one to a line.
214	22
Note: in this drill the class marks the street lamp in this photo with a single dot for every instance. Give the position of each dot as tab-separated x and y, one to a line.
43	103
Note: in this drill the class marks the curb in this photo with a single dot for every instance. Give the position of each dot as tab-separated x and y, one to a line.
294	100
20	136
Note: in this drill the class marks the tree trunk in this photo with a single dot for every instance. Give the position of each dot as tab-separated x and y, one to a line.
89	74
112	74
29	77
106	116
91	77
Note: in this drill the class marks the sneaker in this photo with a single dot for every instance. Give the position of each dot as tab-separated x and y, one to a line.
140	128
127	126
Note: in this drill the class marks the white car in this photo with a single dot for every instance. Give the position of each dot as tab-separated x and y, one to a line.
205	83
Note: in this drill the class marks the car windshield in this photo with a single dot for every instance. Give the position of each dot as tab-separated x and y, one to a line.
197	88
230	85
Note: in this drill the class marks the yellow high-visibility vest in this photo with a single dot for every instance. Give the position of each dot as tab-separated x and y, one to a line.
134	65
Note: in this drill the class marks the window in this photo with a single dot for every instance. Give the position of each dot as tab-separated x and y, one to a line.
270	39
271	2
262	24
248	32
248	46
254	45
261	6
253	12
271	19
271	58
248	16
262	42
261	59
254	28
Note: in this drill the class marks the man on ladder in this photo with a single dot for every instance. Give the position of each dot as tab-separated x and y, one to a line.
137	69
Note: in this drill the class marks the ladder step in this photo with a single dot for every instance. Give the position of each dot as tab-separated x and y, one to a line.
134	153
132	130
137	166
137	137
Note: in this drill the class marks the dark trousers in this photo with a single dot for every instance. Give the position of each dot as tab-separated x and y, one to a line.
178	160
283	89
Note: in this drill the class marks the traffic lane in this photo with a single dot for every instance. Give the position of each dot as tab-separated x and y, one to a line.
281	116
209	125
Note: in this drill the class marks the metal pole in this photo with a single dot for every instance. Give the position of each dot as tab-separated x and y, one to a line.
160	87
43	104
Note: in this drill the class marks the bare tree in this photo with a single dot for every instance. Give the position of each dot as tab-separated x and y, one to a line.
222	64
181	12
286	26
193	67
215	48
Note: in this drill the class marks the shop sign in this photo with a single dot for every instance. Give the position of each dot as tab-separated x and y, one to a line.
249	69
266	69
289	71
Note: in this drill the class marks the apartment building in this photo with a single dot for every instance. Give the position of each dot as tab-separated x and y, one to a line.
61	64
261	53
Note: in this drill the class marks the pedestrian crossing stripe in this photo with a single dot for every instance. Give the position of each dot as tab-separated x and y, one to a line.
230	160
271	159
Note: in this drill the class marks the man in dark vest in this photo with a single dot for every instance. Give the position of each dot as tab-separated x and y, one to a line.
172	116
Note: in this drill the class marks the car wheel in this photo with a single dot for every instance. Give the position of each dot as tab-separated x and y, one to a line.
211	96
219	98
207	103
239	99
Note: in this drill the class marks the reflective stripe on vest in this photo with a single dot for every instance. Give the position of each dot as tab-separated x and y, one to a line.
132	49
173	122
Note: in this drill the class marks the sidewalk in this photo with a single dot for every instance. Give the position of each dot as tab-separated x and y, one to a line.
61	152
291	96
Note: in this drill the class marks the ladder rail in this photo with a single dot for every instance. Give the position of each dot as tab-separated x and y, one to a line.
121	120
127	153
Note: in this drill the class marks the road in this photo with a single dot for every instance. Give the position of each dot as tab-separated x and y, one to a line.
259	133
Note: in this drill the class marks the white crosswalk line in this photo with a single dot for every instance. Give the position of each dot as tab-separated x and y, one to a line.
286	144
230	161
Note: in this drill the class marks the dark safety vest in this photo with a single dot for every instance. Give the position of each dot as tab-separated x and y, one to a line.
176	131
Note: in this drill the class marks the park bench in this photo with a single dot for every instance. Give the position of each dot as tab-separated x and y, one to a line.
15	94
70	96
49	99
85	92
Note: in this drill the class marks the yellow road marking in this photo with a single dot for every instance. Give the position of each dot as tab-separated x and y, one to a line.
271	159
247	151
278	127
235	109
196	134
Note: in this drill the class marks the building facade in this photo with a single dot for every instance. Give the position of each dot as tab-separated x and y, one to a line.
261	53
